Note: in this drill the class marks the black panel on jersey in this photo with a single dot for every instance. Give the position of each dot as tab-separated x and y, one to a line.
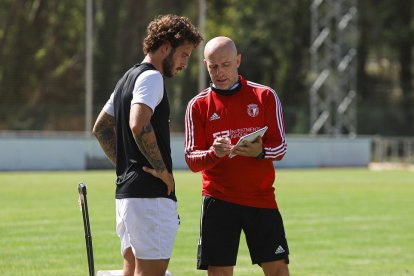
132	181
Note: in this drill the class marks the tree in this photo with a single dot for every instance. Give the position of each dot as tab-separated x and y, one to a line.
42	49
273	38
41	63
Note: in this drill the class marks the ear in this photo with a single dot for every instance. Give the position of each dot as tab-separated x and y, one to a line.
238	60
166	48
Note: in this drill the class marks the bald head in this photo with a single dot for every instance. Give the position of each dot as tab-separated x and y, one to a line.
222	62
220	44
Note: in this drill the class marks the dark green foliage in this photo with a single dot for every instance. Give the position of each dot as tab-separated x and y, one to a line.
42	58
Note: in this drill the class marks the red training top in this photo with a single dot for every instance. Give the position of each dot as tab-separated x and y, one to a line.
240	180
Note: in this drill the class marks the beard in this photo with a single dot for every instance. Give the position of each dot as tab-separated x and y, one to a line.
168	65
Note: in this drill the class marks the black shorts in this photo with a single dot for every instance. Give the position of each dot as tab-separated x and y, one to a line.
220	229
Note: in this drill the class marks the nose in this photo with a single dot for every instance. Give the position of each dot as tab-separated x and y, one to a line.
184	63
219	71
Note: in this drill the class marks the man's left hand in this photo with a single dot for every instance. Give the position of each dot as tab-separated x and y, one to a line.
249	149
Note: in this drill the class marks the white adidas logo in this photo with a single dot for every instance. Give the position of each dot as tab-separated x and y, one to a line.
279	250
214	117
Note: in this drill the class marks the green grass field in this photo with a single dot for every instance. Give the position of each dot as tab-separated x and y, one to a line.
338	222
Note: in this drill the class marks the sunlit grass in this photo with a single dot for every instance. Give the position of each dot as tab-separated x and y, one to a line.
338	222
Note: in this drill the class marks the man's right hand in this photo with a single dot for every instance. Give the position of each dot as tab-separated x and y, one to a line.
222	146
164	175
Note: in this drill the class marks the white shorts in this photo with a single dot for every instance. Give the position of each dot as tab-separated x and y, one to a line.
148	226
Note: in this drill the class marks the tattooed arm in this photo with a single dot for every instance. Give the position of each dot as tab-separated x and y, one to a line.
144	135
104	131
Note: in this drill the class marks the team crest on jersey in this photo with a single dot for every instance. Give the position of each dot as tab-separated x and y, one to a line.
252	110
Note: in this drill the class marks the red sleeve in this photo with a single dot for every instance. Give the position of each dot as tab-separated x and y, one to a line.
198	155
274	140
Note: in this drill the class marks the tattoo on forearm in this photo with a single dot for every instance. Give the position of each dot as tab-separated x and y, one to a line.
147	129
148	146
105	133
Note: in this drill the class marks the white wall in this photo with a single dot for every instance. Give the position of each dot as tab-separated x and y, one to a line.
77	152
319	152
42	153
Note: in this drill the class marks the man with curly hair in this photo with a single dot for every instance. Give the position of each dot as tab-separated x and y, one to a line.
133	130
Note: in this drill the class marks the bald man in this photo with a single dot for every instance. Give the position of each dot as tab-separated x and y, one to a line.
238	193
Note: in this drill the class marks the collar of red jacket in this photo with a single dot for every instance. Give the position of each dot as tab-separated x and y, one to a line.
228	92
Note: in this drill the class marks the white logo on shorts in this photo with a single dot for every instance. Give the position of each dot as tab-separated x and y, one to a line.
279	250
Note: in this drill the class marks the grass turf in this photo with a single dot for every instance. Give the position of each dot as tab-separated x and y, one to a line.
338	222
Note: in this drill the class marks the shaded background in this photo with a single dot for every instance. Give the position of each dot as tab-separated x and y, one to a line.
42	58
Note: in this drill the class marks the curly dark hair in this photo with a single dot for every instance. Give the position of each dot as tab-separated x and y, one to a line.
172	28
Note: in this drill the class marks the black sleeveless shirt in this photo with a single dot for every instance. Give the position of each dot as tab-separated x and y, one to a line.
132	181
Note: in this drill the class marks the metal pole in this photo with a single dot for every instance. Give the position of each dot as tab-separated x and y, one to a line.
202	83
89	68
86	225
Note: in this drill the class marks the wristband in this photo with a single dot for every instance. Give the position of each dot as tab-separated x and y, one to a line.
261	155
